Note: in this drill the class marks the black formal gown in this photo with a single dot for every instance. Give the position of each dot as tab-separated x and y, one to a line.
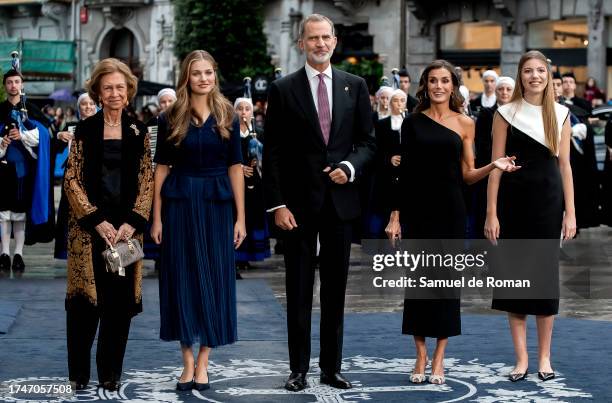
530	208
432	208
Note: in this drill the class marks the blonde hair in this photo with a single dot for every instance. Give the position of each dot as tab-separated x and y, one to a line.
109	66
549	116
180	112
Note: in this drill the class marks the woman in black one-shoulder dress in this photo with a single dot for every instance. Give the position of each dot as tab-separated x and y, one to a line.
436	158
529	210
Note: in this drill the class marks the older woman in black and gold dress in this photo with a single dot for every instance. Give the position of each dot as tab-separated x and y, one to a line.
108	183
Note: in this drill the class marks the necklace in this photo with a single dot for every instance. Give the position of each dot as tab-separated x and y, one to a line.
109	124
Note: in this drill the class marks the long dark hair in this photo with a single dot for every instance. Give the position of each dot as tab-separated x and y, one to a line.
456	100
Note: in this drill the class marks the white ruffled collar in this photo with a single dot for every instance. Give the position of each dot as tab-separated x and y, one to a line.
527	118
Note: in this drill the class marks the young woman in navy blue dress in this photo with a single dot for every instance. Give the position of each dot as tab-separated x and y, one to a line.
198	184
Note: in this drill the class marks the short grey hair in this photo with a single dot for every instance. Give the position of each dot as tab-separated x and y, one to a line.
315	18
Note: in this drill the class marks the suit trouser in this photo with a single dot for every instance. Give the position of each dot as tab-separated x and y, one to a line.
81	324
300	251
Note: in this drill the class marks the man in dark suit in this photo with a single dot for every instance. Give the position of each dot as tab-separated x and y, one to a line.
405	81
569	92
318	142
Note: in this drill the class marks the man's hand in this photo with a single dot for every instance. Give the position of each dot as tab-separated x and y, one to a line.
337	175
284	219
14	134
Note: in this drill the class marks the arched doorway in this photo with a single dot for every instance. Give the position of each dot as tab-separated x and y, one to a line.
122	44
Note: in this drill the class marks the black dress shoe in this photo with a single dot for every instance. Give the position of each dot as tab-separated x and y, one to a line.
202	386
112	386
296	382
546	376
18	265
335	380
79	385
183	386
5	265
517	376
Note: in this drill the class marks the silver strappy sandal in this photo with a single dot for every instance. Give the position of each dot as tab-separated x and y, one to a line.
437	379
417	378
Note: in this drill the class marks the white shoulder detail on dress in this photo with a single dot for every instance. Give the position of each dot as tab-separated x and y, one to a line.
562	112
527	118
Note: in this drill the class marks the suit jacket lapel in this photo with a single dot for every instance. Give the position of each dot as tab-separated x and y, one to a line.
341	98
303	95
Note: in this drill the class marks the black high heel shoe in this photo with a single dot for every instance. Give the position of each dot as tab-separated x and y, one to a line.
546	376
517	376
183	386
202	386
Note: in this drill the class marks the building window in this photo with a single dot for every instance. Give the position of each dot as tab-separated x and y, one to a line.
475	46
563	34
485	35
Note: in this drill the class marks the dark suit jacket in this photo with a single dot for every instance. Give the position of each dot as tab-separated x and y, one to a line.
476	105
582	103
411	103
295	153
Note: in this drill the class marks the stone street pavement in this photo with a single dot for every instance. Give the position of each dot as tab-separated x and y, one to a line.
377	358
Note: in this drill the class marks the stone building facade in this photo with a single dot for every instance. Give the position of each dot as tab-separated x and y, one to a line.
377	25
476	34
139	32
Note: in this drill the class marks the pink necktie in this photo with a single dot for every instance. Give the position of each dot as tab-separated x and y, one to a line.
323	106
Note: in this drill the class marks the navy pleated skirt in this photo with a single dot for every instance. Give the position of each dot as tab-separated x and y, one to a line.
197	284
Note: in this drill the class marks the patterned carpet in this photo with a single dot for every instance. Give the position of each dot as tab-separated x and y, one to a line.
377	357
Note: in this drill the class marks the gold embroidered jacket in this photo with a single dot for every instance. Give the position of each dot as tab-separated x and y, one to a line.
82	185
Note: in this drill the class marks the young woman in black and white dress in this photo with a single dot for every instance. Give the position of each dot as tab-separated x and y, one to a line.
536	202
